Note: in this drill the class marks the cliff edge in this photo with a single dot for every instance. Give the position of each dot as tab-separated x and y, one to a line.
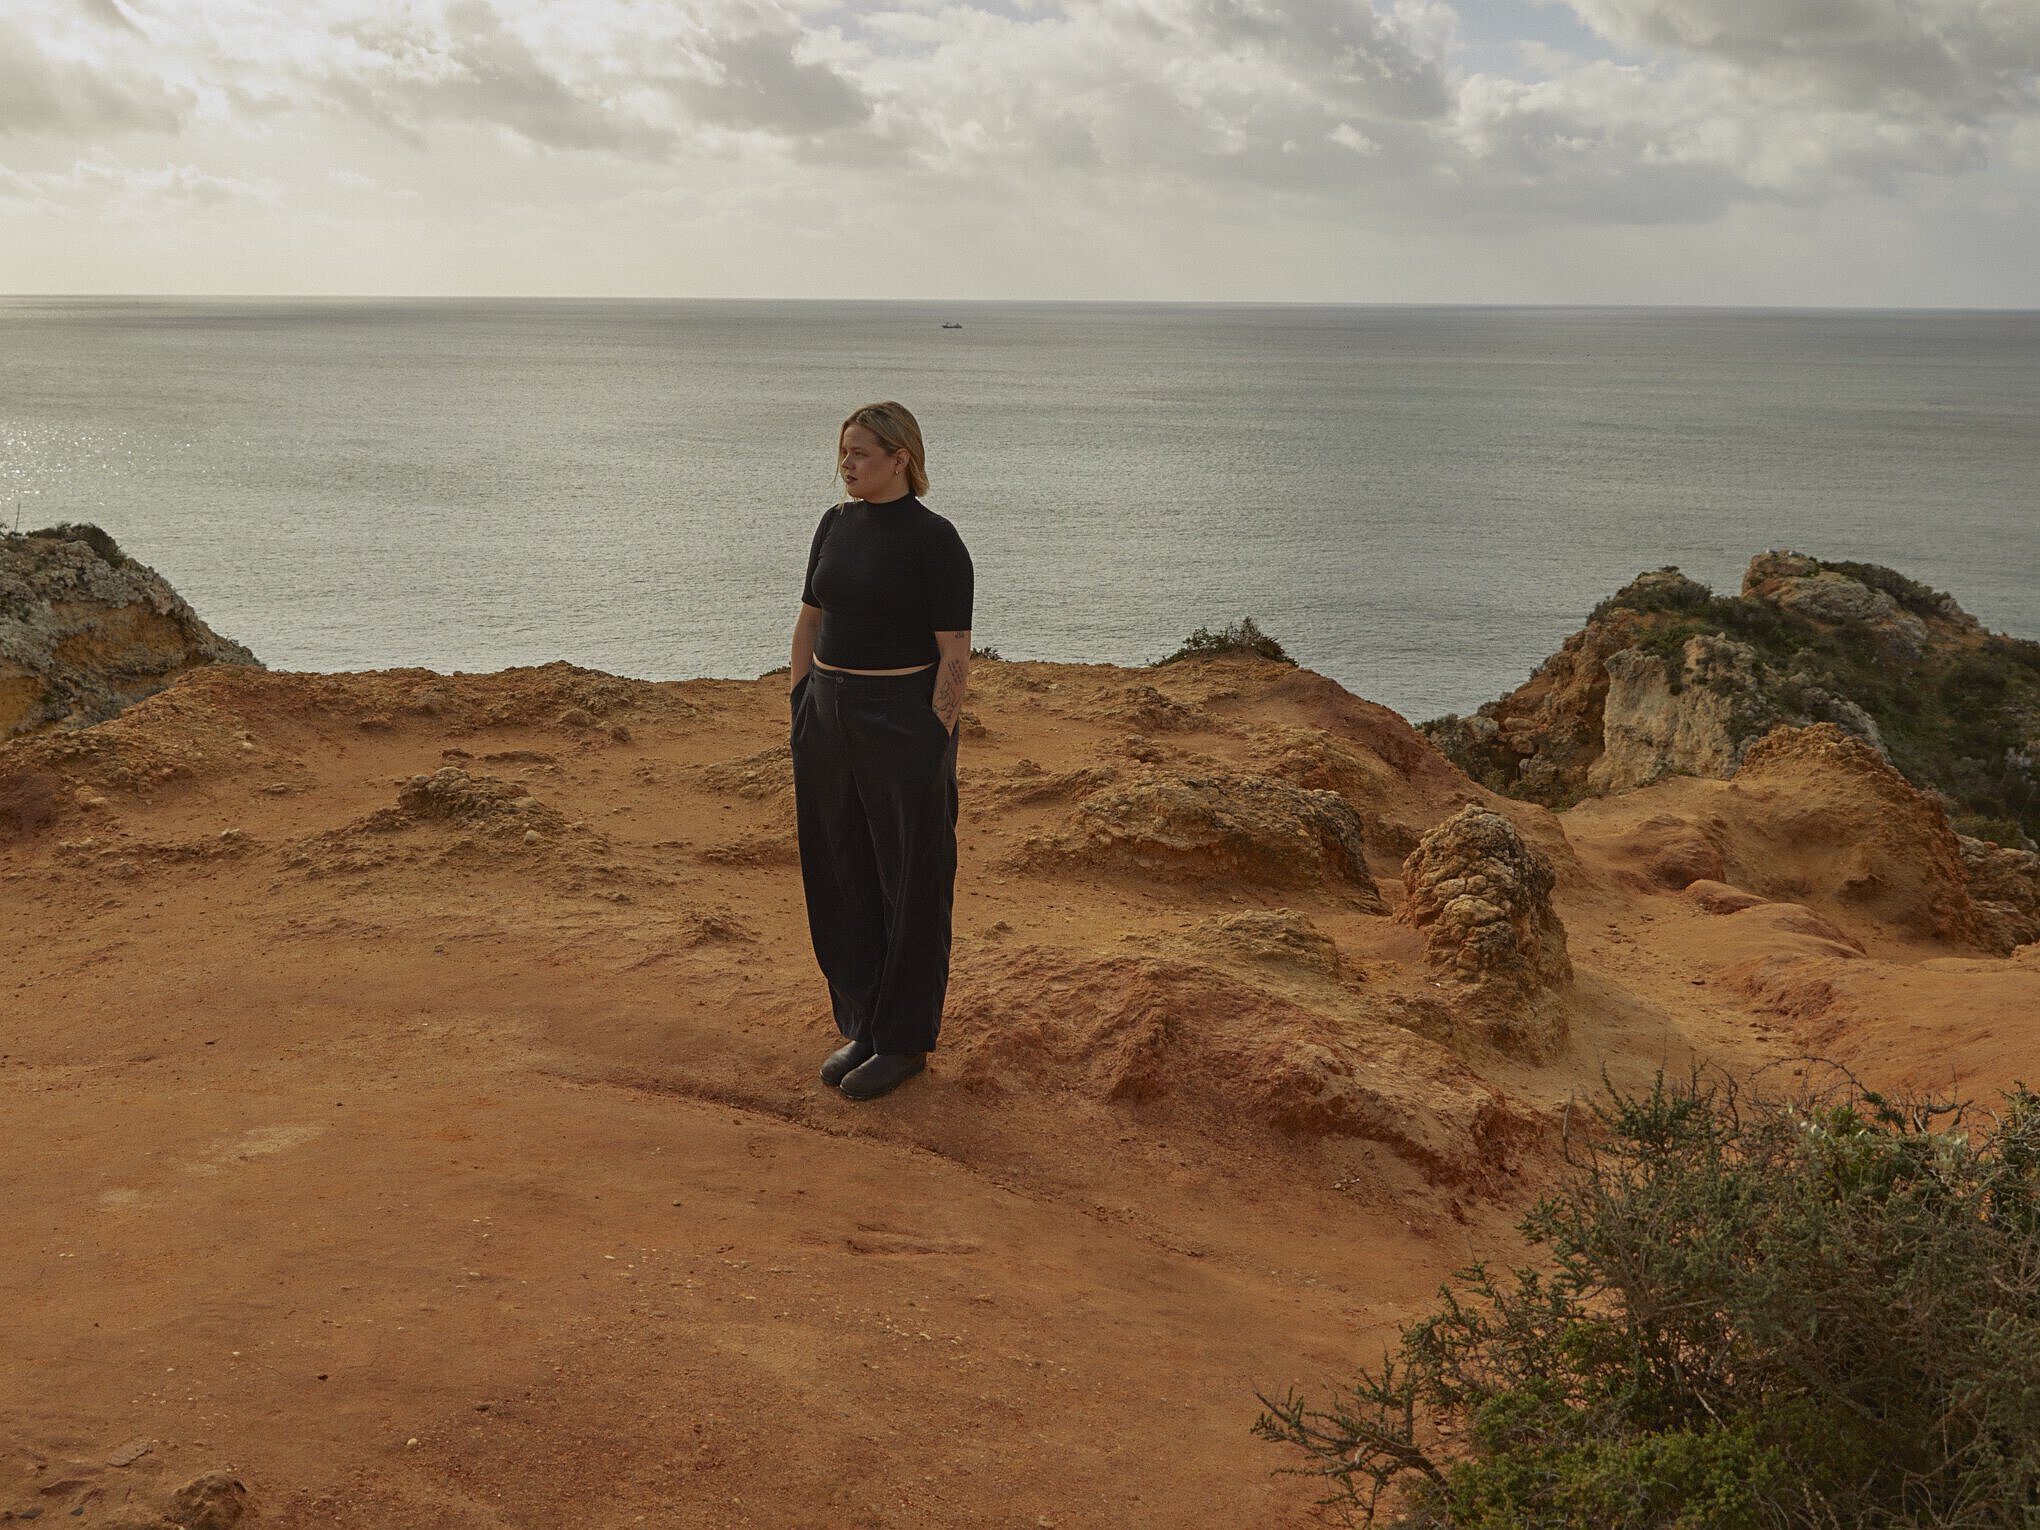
86	631
1667	678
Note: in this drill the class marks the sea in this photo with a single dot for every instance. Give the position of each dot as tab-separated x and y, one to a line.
1420	502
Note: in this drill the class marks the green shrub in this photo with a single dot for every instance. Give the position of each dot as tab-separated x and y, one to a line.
99	541
1240	639
1822	1312
1915	597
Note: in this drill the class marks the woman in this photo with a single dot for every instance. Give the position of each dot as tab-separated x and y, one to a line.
881	656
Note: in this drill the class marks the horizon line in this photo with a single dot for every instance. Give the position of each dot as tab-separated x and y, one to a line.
1090	302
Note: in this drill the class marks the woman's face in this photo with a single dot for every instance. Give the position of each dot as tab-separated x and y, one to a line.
869	471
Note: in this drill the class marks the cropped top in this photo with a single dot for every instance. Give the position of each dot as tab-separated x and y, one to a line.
887	578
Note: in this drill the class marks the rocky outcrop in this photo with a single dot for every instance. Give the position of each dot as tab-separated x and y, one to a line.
2006	886
85	631
1691	714
1483	901
1819	592
1219	827
1816	816
1667	678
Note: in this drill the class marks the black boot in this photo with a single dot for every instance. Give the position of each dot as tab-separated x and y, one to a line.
843	1059
883	1074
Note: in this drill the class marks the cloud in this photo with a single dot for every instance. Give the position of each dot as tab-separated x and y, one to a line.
759	82
466	65
1976	57
1357	114
108	13
42	91
104	186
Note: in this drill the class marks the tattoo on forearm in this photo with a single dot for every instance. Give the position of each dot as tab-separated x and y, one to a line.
949	686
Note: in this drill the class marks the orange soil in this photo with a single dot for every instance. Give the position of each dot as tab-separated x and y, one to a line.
430	1172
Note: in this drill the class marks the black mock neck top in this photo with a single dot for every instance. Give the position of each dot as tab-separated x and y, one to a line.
887	579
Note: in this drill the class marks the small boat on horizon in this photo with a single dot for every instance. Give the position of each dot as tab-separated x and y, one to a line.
952	324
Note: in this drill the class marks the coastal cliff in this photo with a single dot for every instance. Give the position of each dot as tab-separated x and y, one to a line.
85	630
1667	678
416	1077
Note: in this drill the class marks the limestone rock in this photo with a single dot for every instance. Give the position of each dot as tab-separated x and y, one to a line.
1483	900
1277	937
2005	882
1691	718
1667	679
1219	827
85	631
1802	586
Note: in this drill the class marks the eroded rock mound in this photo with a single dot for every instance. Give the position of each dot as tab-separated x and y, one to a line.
1180	1038
1276	937
452	795
1219	827
86	631
1314	758
1482	897
1817	814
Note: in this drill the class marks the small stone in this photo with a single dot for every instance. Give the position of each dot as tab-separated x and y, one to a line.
411	1443
131	1452
214	1501
533	837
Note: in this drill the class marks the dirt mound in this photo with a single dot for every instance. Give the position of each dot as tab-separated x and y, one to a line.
1277	937
1175	1038
1482	897
1815	815
451	795
1669	851
1220	828
768	773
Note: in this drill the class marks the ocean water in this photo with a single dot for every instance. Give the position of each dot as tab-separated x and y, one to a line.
1419	502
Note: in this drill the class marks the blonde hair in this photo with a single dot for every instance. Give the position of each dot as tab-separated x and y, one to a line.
897	430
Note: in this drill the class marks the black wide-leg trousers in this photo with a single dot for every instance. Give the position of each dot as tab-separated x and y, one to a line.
874	782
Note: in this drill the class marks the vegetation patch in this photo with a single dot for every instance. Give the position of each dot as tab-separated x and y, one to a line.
1817	1312
1240	639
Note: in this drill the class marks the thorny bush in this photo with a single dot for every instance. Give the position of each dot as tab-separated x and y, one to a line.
1820	1312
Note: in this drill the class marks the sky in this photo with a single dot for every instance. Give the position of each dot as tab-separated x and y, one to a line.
1747	152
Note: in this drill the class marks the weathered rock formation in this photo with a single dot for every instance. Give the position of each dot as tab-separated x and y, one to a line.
1177	1039
1816	816
1483	900
85	630
1668	679
1219	827
2006	886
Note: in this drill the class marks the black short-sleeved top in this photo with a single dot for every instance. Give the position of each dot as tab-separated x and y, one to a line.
887	578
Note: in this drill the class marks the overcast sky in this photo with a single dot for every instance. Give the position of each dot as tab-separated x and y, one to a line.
1845	152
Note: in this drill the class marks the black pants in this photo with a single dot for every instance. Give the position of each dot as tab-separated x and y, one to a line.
874	782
